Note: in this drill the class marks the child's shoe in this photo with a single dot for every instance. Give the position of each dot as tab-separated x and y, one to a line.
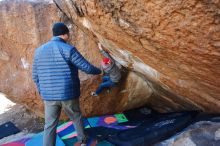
94	94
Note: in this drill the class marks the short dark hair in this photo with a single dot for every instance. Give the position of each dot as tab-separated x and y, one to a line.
59	28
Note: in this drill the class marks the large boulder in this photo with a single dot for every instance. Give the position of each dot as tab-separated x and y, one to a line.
174	45
25	25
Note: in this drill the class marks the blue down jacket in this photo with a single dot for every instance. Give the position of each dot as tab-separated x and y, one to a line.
55	70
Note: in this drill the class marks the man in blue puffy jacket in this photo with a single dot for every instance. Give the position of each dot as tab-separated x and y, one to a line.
55	72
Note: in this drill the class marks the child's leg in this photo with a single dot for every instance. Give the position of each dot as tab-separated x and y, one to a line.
104	85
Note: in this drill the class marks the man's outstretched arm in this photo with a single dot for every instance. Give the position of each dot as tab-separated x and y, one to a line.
78	60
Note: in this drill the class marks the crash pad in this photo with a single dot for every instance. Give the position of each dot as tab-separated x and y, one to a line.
37	140
13	144
67	130
107	120
20	142
8	129
153	129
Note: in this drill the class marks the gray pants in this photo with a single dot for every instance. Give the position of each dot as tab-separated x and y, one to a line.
52	114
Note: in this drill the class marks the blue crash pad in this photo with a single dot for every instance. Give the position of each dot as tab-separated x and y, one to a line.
8	129
37	140
153	129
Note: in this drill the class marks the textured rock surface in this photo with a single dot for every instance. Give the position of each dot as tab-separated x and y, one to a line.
202	133
27	24
172	44
132	92
24	25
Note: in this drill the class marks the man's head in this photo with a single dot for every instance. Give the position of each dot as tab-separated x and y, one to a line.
61	30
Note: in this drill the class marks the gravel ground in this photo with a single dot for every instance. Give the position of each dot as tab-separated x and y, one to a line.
27	122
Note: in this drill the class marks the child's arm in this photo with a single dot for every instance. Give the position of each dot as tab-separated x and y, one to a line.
103	73
105	53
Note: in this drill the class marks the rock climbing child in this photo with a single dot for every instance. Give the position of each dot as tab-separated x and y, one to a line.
111	71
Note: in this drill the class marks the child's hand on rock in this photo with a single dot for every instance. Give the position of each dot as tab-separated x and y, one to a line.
100	47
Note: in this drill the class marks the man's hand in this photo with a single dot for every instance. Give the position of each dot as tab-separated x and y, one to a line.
102	74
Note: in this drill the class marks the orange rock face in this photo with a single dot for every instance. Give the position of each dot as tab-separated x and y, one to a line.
25	25
175	45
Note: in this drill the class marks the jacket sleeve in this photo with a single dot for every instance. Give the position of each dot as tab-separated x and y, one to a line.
34	73
79	61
